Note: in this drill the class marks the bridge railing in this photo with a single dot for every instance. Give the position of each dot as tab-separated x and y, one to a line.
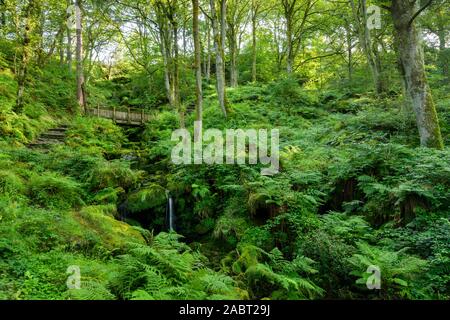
120	115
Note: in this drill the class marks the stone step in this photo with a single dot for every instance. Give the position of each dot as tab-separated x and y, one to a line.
60	129
54	135
48	141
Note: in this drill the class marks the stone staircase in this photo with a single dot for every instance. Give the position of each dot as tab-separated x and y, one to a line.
53	136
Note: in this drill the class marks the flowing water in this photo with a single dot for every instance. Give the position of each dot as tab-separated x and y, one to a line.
170	212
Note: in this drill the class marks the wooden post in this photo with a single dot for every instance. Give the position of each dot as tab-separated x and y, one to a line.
98	111
114	114
129	116
142	116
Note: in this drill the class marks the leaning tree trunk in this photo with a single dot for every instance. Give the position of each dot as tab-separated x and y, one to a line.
81	97
410	51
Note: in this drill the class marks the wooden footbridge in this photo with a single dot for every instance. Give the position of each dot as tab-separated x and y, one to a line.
127	116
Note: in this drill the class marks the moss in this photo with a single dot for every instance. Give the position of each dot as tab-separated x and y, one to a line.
432	124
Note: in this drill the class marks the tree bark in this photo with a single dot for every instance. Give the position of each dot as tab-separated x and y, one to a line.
290	51
220	70
61	47
254	22
444	53
223	25
198	67
176	64
25	57
81	95
2	16
368	47
233	59
69	39
410	51
348	34
165	52
208	61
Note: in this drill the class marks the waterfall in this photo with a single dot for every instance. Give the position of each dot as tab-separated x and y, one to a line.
170	214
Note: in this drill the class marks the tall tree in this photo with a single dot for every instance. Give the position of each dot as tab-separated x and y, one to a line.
81	94
198	66
296	14
28	15
255	11
436	22
367	43
237	15
219	51
409	45
69	35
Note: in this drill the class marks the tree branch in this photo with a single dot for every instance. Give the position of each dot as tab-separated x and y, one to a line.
317	57
419	12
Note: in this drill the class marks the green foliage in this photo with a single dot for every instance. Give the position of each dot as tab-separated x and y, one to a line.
269	275
399	271
108	174
53	191
150	196
169	269
288	93
95	135
354	189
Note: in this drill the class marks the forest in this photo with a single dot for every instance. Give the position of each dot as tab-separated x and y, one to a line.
93	205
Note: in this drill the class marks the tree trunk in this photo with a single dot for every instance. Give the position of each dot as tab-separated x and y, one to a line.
208	52
69	38
254	22
61	44
172	15
370	50
223	25
349	53
220	71
176	66
81	96
165	52
25	57
444	53
233	59
3	16
198	67
410	51
290	51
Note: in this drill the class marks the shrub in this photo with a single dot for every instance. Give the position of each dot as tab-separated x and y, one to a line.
288	93
270	275
111	174
54	191
399	271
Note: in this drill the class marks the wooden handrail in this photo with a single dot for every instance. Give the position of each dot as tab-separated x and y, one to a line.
133	116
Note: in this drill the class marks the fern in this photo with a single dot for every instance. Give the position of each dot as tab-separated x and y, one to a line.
399	271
